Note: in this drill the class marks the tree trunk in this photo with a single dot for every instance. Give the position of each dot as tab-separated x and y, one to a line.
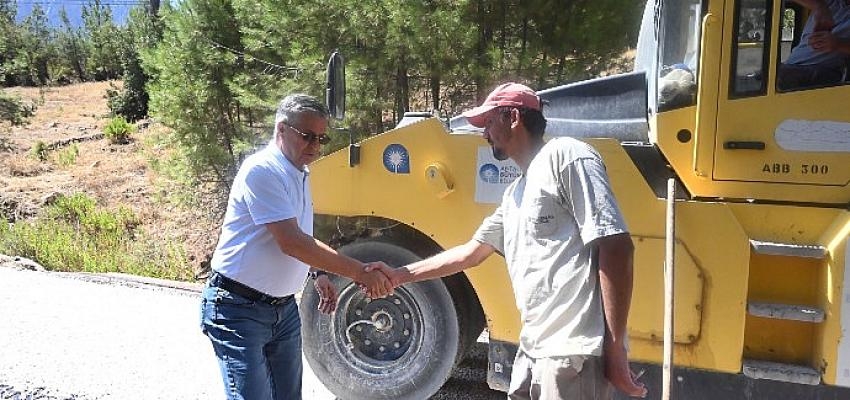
402	90
435	91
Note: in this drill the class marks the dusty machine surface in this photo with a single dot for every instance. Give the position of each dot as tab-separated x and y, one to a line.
762	301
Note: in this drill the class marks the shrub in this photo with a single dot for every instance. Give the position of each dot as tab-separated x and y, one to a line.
69	155
13	110
39	150
118	130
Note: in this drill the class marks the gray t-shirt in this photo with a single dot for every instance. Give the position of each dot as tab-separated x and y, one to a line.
545	227
803	54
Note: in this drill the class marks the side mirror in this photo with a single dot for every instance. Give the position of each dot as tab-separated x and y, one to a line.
335	88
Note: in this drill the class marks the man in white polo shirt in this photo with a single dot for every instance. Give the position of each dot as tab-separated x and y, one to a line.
262	259
568	253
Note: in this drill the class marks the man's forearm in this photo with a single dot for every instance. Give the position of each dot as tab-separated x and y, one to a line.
313	252
615	281
446	263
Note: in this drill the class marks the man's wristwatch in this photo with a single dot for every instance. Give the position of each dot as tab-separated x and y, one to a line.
316	273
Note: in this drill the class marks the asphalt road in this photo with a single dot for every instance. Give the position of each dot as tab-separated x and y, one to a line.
82	337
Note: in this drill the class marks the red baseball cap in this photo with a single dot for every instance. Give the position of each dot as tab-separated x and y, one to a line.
510	94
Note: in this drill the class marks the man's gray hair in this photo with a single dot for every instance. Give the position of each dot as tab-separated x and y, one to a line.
296	104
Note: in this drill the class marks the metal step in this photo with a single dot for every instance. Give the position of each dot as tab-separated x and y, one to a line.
775	371
793	312
787	249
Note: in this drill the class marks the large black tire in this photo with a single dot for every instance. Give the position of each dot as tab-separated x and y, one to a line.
408	354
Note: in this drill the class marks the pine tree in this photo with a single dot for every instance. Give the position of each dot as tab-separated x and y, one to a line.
71	47
193	72
104	41
36	47
8	42
144	31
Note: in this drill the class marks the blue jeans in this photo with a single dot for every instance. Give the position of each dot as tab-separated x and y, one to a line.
258	345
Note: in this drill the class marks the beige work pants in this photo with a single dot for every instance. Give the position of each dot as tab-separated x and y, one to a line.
559	378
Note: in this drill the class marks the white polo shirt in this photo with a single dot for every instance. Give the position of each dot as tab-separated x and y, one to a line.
267	188
545	227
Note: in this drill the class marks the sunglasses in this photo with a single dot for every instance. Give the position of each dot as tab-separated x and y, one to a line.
310	136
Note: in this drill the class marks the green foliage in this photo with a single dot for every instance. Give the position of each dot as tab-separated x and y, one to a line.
131	102
34	53
73	234
12	109
37	49
145	31
104	44
224	64
68	156
71	46
39	150
192	91
118	130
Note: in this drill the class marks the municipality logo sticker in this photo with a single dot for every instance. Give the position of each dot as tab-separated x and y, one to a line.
489	173
397	159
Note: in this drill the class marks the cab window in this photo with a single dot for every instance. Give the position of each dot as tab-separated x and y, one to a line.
750	59
679	46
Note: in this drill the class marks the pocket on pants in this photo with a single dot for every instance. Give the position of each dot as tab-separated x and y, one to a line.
560	368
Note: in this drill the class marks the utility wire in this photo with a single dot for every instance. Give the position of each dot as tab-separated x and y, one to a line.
270	67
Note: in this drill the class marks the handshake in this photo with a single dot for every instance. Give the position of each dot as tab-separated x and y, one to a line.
378	279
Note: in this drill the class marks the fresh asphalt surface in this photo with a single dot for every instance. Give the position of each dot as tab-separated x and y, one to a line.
82	337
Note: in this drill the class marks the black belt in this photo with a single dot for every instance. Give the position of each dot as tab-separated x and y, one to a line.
223	282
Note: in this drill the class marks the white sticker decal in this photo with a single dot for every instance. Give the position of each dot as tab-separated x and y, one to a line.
802	135
493	176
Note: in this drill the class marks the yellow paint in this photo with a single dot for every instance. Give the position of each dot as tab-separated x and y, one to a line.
830	296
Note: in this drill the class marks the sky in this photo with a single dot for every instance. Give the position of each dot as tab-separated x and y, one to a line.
120	9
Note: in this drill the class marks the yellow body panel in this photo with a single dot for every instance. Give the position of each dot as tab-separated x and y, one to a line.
448	216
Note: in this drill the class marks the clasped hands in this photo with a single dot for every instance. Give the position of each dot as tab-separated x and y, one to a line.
378	280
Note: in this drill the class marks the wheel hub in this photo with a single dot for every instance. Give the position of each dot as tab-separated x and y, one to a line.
378	332
382	321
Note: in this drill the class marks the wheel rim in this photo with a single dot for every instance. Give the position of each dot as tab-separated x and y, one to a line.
378	335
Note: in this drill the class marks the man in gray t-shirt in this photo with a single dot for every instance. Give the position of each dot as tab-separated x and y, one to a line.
568	253
820	59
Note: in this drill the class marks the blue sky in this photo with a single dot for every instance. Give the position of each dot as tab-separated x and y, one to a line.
120	9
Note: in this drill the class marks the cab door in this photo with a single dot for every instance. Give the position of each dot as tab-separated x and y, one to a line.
799	137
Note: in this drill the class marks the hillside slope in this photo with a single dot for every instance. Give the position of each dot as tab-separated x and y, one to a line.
69	122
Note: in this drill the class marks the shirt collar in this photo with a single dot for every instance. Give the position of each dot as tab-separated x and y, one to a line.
284	162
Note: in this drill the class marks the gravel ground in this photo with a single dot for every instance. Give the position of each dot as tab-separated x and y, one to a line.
85	337
91	337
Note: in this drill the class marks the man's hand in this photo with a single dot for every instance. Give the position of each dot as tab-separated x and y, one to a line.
393	274
617	370
823	41
327	294
374	282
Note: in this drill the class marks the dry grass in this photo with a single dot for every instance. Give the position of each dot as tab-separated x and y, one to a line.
114	175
